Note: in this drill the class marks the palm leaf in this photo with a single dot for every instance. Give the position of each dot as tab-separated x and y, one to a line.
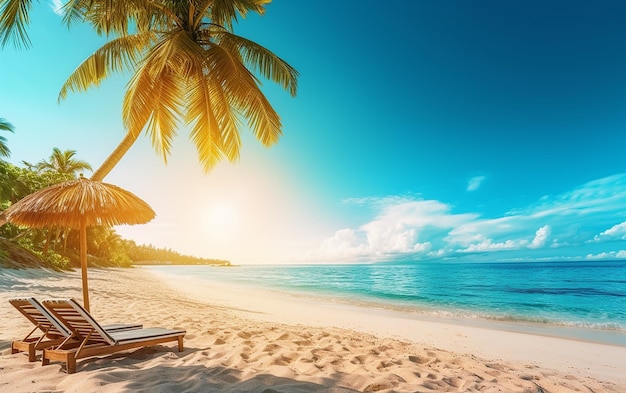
228	120
155	93
110	16
5	125
4	149
14	18
212	128
243	93
136	107
162	123
224	12
205	129
261	59
115	56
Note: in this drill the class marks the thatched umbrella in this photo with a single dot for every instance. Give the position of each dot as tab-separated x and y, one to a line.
78	204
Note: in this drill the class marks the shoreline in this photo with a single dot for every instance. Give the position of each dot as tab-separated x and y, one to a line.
598	335
585	311
254	342
563	348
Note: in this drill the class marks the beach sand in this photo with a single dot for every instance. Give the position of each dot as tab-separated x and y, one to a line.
267	342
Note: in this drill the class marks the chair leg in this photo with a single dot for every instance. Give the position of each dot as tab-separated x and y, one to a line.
31	353
70	362
180	344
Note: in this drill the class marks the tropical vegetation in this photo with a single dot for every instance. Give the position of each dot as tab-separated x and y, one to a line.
187	66
57	248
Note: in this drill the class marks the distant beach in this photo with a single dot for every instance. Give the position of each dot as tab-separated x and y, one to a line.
249	339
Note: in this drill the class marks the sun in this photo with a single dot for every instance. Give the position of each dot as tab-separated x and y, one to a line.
221	218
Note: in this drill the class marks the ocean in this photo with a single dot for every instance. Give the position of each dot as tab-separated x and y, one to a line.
589	295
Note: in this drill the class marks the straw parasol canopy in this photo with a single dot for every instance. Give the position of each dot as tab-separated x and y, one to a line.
78	204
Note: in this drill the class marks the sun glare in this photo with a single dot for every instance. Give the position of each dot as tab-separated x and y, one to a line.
221	218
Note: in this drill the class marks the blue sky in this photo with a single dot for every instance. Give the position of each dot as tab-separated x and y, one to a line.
464	130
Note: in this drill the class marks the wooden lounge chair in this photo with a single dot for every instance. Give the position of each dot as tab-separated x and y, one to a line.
53	332
94	339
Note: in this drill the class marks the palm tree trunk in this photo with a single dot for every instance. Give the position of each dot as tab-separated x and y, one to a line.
57	235
115	157
66	234
47	243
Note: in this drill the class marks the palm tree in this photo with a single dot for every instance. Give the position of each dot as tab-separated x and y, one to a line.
4	149
187	64
63	162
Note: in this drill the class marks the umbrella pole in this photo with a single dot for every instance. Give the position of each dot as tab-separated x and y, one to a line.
83	262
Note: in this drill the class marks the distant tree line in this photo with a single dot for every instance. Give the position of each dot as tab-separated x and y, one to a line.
149	255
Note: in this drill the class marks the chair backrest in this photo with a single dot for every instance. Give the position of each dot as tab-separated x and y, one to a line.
41	317
75	317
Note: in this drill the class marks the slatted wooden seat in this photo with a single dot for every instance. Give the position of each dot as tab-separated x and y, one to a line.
53	332
94	339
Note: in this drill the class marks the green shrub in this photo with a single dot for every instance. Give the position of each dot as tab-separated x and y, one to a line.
54	260
120	259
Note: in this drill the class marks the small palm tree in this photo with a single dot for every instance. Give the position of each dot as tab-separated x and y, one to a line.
63	162
4	149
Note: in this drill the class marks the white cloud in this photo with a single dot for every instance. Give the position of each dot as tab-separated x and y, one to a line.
541	237
475	183
405	226
342	245
489	245
598	196
615	232
607	255
398	228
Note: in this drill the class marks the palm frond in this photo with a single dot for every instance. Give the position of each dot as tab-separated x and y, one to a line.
224	12
74	11
243	93
109	16
201	110
138	100
115	56
205	129
262	118
186	52
199	13
155	93
162	123
262	60
14	19
5	125
228	119
4	149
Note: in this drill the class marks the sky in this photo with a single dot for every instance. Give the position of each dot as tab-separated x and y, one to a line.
446	131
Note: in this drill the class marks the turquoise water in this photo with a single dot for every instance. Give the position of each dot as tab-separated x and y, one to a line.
578	294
